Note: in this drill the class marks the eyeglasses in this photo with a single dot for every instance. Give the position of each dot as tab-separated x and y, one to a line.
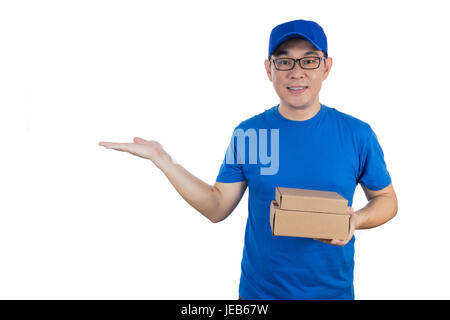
306	63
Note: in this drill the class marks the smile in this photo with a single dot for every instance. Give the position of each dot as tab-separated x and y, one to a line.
297	90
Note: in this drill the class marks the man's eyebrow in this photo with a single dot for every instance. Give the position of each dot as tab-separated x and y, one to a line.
311	53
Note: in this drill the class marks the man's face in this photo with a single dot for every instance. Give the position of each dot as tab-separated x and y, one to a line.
284	81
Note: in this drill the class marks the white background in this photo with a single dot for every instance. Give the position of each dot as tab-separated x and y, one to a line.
78	221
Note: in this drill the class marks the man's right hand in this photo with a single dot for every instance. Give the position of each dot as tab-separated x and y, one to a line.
147	149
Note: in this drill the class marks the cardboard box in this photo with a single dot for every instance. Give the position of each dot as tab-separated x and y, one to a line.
319	225
310	200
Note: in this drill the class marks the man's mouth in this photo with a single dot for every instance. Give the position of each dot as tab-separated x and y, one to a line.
297	89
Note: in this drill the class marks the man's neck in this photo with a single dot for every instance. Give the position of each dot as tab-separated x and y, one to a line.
299	114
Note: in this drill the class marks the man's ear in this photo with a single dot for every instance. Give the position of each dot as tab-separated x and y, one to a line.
328	64
268	70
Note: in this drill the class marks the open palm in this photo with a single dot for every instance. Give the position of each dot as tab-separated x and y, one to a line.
147	149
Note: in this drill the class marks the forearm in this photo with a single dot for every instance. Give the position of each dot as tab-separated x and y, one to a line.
378	211
200	195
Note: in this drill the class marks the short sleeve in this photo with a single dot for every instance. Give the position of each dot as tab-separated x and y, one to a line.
231	169
373	173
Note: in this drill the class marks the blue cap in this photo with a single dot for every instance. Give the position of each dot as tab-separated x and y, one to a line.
305	29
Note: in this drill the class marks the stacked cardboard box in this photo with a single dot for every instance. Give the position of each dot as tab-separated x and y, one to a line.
309	213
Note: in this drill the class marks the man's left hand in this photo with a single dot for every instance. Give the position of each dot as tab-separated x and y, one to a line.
337	242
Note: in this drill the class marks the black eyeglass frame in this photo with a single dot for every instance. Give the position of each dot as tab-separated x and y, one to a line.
299	62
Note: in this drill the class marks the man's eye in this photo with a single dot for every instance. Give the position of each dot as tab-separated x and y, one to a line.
285	62
309	61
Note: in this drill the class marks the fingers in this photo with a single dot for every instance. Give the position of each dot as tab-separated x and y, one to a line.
120	146
105	144
323	240
115	145
339	242
335	242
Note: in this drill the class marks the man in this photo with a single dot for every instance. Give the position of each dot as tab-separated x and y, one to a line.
312	146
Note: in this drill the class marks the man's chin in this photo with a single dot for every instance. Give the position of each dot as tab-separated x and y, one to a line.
296	105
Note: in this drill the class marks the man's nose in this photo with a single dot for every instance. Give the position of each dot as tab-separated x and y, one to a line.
297	71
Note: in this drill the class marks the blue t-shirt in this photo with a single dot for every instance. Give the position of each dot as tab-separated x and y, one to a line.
332	151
